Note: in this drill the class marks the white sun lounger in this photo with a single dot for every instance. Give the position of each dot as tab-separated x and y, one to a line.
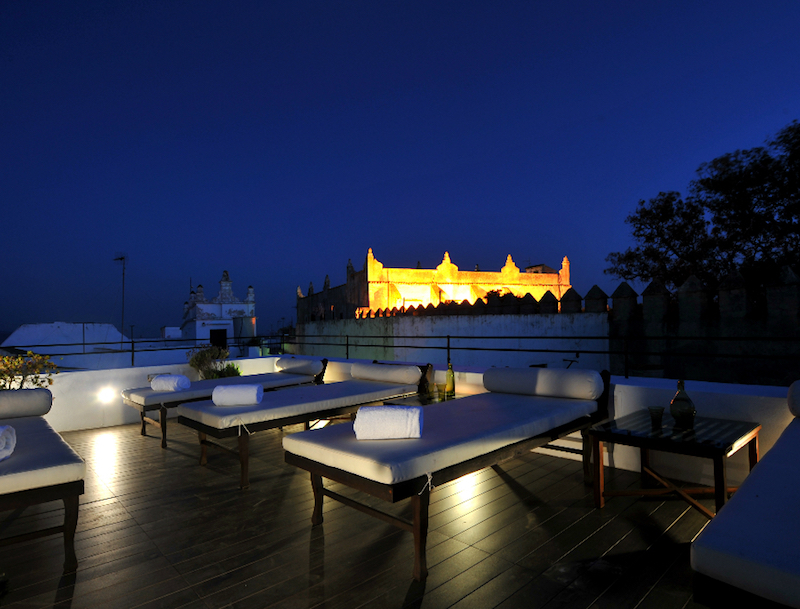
290	371
41	468
370	383
523	409
753	543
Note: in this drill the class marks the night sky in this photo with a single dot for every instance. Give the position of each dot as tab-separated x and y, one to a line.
277	140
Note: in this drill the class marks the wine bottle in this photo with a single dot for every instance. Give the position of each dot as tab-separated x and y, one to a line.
450	383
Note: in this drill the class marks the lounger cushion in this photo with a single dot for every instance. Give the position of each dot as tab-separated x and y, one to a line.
387	373
40	458
293	402
754	541
455	431
25	403
144	398
573	384
794	398
293	365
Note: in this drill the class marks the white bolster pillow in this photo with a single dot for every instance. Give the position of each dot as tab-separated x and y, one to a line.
556	383
8	440
25	403
170	382
298	366
794	398
388	422
237	395
387	373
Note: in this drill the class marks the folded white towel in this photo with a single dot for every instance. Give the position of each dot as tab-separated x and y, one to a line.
388	422
8	440
237	395
170	382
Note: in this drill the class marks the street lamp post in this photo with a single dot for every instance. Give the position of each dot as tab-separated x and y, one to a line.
123	259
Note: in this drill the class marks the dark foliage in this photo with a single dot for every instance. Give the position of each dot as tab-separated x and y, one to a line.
742	214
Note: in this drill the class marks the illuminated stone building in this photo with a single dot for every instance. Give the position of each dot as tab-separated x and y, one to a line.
378	288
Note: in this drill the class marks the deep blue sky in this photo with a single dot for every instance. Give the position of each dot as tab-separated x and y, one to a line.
277	140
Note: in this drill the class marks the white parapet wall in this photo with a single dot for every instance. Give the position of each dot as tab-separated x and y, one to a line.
91	399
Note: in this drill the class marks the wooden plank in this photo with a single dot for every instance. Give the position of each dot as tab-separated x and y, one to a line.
156	529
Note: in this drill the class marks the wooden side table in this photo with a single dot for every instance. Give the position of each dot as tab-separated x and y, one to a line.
715	439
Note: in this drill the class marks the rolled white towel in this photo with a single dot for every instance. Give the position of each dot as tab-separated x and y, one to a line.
8	440
237	395
388	422
170	382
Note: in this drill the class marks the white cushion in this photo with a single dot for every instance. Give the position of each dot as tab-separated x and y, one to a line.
387	373
40	458
293	365
145	397
237	395
455	431
575	384
25	403
754	541
294	401
170	382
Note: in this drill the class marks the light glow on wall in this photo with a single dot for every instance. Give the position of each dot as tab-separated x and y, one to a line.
106	395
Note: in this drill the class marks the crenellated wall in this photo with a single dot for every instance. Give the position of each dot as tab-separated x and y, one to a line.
731	335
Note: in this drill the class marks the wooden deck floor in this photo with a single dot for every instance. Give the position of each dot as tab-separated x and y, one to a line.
158	530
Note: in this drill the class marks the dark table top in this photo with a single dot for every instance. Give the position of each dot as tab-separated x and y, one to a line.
709	436
416	400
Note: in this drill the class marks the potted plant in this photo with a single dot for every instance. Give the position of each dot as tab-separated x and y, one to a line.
210	362
26	371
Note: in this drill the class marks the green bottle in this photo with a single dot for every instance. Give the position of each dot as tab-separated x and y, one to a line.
682	408
450	383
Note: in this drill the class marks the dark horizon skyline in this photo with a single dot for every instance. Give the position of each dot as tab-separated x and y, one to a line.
278	141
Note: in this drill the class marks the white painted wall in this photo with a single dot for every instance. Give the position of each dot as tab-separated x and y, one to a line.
76	405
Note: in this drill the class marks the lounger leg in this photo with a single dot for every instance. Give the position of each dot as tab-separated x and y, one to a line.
599	480
70	524
316	486
162	418
201	436
587	457
144	423
244	460
419	505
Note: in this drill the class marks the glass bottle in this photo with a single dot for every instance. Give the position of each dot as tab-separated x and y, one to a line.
450	383
682	408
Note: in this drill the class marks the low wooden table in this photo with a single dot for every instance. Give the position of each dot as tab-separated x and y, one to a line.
715	439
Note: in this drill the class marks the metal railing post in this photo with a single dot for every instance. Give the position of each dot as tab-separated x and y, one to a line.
448	348
347	346
132	350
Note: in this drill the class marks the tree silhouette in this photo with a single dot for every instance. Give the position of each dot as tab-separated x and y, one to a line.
742	214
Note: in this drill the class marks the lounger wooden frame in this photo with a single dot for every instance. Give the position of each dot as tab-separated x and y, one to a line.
418	489
164	406
69	493
244	431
